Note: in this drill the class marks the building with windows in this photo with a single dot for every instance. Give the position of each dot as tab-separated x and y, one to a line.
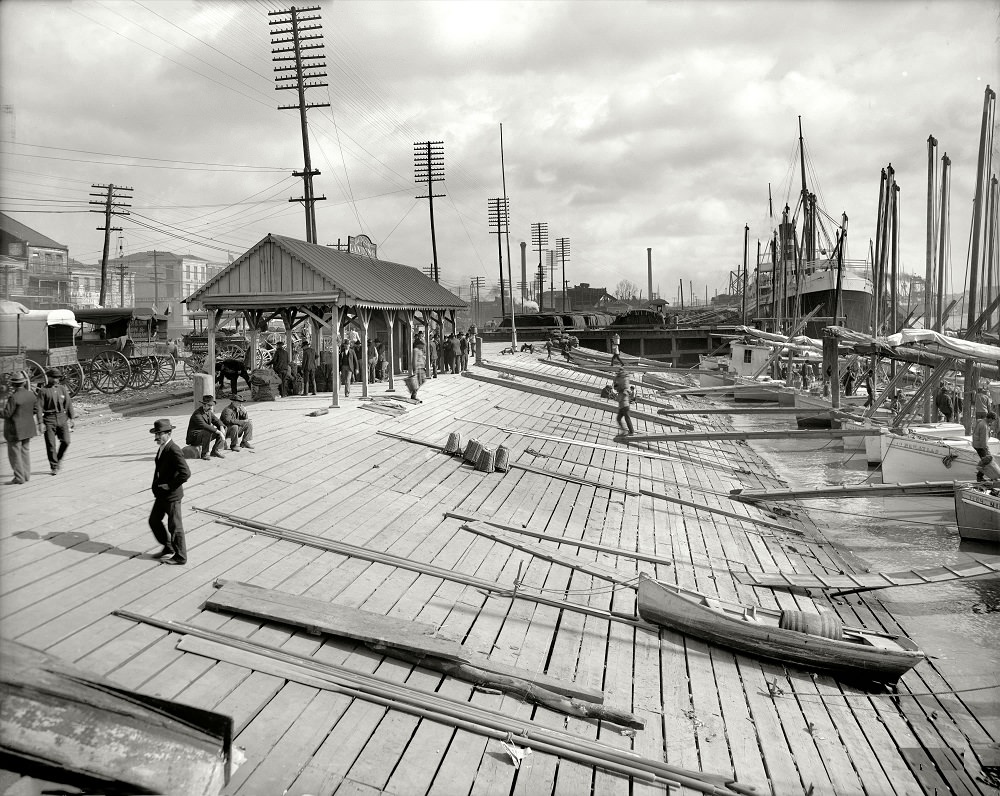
35	268
85	287
164	279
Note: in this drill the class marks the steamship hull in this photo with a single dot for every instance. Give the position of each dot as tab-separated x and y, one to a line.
818	289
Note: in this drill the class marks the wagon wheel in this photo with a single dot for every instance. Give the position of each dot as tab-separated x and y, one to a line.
231	351
263	358
73	378
110	372
35	373
143	373
166	367
194	364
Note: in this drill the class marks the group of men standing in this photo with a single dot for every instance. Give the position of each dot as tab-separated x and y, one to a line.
50	410
451	354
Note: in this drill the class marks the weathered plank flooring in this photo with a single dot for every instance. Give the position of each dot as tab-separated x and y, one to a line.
75	548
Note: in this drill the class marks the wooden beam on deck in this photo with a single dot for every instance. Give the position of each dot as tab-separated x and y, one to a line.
601	406
346	549
848	491
703	436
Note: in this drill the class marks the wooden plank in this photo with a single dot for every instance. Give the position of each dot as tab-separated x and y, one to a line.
575	562
609	549
318	616
869	581
729	436
929	488
563	397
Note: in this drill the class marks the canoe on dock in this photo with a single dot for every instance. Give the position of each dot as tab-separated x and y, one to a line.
977	514
762	632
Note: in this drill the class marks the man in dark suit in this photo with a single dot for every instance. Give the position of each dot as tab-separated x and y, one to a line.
19	423
171	473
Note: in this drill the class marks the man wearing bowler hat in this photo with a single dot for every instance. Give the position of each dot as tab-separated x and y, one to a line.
203	427
55	406
171	473
19	427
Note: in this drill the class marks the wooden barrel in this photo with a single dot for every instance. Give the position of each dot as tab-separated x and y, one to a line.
472	451
454	443
826	624
502	462
487	460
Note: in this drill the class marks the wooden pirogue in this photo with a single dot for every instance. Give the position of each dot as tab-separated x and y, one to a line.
760	632
977	514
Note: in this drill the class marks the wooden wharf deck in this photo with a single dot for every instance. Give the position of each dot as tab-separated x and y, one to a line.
74	549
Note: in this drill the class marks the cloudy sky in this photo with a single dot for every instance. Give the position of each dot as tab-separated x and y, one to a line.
626	125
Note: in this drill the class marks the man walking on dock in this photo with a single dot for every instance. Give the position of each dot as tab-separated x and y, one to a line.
168	479
616	353
55	407
19	427
623	388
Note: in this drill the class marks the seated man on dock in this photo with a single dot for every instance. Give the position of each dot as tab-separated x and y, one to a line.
239	426
203	427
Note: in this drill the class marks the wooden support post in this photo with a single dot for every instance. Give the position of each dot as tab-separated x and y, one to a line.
832	360
334	330
213	324
390	321
365	314
252	320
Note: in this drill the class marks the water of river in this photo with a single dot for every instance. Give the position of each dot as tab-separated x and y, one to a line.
957	622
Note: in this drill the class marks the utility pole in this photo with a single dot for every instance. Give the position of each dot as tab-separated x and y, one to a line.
156	284
562	249
499	218
296	78
550	260
478	283
121	272
111	193
539	240
428	168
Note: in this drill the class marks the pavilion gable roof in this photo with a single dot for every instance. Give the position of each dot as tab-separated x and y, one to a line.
287	268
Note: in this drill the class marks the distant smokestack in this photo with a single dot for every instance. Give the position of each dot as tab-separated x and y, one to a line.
524	269
649	271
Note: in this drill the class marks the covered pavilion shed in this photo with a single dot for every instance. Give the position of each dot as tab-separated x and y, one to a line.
308	286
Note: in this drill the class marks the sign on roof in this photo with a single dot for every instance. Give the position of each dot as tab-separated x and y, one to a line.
362	246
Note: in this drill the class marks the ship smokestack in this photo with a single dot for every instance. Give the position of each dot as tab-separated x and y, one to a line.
524	269
649	271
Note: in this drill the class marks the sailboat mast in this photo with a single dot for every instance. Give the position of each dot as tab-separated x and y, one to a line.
942	241
807	232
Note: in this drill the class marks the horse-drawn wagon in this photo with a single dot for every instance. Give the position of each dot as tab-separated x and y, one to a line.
34	340
125	347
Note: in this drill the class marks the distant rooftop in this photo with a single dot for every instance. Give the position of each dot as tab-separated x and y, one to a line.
23	232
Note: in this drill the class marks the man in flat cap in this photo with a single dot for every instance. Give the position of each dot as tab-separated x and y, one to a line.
55	406
239	426
168	479
203	427
19	427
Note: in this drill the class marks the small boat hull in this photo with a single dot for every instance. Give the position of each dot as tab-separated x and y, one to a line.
977	514
754	631
912	457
